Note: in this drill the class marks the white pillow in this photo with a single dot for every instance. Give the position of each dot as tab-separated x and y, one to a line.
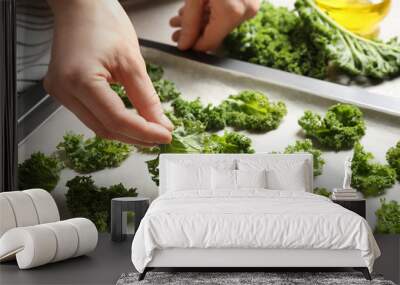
251	179
223	179
291	180
282	174
181	177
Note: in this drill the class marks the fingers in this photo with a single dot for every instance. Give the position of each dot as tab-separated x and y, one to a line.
86	117
213	35
176	35
205	24
224	17
175	22
141	92
110	111
191	20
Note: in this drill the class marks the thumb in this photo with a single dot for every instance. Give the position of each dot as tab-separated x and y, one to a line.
191	23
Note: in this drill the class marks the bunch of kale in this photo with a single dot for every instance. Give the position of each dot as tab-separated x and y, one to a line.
370	178
39	171
393	158
85	199
308	42
249	110
190	136
342	126
92	154
388	218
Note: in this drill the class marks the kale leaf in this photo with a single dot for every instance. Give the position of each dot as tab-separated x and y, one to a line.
251	110
166	90
307	146
372	179
306	41
39	171
393	158
195	140
388	218
322	191
275	38
345	50
92	154
85	199
341	128
155	72
229	142
213	117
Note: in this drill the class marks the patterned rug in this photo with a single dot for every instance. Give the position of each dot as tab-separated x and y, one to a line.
253	278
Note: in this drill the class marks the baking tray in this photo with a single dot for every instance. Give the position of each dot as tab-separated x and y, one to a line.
213	79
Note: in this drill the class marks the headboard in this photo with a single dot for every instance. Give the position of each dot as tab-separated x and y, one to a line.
213	159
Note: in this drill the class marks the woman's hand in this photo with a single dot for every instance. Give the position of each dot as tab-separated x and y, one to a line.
203	24
95	44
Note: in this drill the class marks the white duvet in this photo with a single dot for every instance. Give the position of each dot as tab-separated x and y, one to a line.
250	219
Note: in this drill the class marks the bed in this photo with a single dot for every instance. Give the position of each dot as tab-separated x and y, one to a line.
246	211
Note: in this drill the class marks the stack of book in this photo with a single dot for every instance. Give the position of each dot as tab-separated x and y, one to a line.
344	194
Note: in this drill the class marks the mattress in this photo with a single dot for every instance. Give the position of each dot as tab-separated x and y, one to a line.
250	218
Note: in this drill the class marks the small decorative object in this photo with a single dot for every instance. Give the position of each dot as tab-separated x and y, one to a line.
347	174
119	209
347	192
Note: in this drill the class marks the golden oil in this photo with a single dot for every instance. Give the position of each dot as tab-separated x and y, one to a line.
359	16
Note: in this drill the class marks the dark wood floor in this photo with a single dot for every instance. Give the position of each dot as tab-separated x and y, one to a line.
103	266
111	259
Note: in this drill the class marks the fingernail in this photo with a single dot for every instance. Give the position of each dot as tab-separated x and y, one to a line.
166	122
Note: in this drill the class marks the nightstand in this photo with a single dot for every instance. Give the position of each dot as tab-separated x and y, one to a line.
358	206
138	205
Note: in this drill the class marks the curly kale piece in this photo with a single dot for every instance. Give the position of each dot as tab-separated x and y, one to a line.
92	154
192	141
155	72
345	50
251	110
341	128
229	142
213	117
39	171
186	125
85	199
372	179
306	41
388	218
307	146
322	191
166	90
275	38
393	158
